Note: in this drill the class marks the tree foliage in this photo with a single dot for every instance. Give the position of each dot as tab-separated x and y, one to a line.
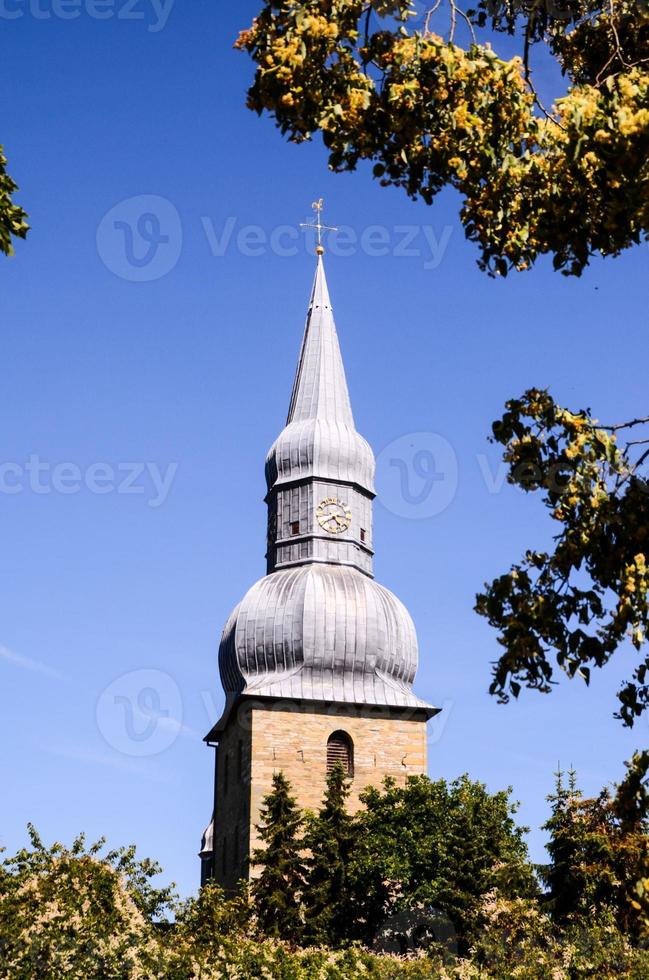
13	222
86	914
437	845
331	838
429	113
580	601
599	850
79	913
277	891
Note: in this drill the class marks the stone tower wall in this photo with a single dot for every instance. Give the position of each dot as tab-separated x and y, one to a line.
292	738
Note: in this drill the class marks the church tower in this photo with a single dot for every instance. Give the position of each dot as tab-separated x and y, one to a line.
318	660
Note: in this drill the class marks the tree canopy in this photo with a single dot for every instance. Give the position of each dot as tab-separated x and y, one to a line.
87	913
427	113
280	882
581	601
331	839
438	845
599	850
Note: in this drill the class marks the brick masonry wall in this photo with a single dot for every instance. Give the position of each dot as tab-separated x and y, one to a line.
262	740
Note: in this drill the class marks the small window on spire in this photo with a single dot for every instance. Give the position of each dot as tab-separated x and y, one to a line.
363	534
295	527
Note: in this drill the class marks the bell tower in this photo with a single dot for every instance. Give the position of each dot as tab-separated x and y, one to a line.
318	660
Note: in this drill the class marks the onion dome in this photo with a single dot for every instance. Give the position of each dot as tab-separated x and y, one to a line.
321	632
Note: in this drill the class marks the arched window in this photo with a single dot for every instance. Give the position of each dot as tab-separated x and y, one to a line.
340	748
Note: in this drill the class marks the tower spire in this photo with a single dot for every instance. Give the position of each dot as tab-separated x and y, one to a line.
320	387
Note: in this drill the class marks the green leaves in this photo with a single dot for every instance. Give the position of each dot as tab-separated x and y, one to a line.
433	844
77	913
331	840
590	487
277	891
599	850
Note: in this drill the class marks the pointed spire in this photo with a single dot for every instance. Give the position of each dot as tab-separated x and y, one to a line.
320	388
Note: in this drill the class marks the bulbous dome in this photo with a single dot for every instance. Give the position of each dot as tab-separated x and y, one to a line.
321	632
323	448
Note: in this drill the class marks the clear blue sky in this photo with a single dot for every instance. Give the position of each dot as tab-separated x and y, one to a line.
192	370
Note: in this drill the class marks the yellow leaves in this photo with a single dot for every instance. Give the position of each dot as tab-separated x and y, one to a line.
632	123
465	118
319	27
245	39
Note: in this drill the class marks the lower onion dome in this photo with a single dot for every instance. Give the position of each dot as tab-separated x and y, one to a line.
321	632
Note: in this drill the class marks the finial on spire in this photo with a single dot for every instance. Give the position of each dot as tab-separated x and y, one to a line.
318	226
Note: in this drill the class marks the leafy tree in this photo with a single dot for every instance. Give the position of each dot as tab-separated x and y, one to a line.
83	914
278	889
429	113
599	850
440	846
582	600
517	939
208	929
565	887
12	217
80	914
330	839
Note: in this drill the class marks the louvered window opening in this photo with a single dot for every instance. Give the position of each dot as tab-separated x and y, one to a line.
340	748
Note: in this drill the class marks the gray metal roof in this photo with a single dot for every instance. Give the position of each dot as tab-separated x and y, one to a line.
322	629
321	632
320	438
320	387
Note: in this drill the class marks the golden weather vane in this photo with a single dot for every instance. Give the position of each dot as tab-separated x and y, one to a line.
318	227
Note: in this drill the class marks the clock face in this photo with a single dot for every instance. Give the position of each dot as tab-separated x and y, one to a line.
333	516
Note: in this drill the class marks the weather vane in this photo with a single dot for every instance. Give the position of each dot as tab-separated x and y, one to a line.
318	227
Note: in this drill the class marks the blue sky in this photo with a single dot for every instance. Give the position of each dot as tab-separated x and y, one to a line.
139	399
